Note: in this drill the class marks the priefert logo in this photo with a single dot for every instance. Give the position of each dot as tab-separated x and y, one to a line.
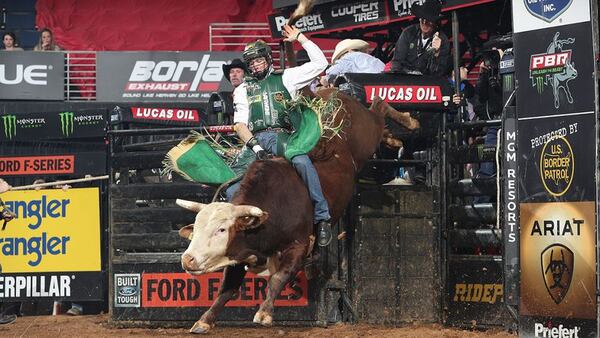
556	332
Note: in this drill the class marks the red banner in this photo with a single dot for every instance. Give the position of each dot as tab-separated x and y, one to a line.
185	290
165	114
37	165
405	94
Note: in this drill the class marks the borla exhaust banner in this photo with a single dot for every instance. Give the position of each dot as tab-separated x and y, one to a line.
161	76
32	76
52	248
67	124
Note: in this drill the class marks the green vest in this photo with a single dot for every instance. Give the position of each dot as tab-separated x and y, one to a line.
265	99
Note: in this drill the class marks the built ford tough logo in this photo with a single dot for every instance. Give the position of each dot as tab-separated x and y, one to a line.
547	10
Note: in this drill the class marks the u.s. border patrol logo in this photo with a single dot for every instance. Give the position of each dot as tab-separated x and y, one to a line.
547	10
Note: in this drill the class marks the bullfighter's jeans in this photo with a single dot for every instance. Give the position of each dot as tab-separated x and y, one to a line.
304	167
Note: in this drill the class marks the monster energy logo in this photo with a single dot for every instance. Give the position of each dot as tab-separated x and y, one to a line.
66	123
10	126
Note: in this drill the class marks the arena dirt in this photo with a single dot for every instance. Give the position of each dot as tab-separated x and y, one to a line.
97	326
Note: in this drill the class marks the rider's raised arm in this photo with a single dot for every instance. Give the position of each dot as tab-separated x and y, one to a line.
298	77
241	113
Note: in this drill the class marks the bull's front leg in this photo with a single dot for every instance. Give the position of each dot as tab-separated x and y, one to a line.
290	263
233	276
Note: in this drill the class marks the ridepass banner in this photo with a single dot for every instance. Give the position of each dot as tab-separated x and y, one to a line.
52	248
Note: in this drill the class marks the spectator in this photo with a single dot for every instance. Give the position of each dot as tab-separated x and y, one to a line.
421	47
5	318
235	71
10	42
46	42
350	56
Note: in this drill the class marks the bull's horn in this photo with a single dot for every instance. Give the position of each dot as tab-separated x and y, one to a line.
247	210
192	206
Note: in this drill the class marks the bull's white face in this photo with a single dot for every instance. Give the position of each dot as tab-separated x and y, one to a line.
214	227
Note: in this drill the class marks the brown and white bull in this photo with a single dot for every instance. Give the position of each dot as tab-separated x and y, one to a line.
271	215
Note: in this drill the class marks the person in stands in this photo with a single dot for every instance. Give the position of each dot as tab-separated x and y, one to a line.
10	42
46	42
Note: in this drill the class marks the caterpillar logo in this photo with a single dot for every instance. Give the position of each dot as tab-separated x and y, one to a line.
66	123
10	126
557	265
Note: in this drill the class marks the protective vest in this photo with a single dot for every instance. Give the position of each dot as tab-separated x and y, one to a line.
265	99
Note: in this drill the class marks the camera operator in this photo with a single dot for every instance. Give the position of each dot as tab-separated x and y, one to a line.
489	107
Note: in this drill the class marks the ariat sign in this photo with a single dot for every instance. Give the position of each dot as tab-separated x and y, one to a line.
146	77
556	332
31	76
35	286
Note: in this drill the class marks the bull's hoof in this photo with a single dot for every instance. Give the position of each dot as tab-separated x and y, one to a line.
201	327
263	318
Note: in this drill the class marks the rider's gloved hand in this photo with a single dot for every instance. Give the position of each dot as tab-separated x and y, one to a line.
261	154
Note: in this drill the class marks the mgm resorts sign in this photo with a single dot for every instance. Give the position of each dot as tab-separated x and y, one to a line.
32	76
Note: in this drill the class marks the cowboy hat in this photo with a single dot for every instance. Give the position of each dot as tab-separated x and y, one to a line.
235	63
347	45
430	10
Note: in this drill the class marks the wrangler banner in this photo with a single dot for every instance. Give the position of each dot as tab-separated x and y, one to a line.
55	231
161	76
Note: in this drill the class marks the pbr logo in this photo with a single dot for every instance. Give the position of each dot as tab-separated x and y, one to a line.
127	290
557	269
554	68
547	10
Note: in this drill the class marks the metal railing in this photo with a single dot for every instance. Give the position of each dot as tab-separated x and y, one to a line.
80	76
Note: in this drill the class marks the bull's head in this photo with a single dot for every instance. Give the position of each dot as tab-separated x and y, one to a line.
215	226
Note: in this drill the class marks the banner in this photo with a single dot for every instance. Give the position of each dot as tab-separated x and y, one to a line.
161	76
192	115
55	230
404	92
555	71
61	164
53	286
553	68
32	76
336	15
529	15
68	124
160	290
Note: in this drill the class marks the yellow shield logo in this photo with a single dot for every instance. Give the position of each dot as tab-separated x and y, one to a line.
557	269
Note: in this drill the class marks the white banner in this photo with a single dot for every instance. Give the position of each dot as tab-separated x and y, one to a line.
529	15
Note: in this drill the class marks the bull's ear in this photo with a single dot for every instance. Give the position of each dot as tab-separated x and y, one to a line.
187	232
243	223
192	206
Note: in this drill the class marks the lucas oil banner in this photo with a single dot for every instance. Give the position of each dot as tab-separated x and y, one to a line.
52	248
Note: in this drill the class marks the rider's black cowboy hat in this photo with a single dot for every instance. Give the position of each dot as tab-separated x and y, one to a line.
235	63
430	10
